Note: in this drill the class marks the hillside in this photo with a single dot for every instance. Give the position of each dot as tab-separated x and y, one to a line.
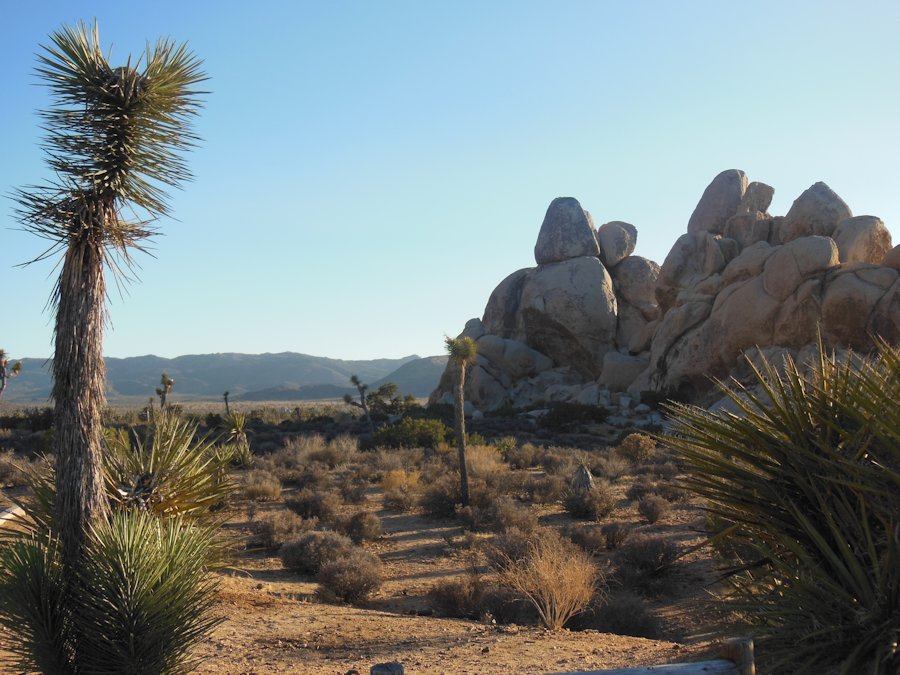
249	376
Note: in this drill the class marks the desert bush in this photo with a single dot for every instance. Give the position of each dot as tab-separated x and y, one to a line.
401	489
611	466
261	486
566	416
352	488
644	563
620	613
441	497
672	492
276	528
637	448
507	547
590	538
311	551
362	526
498	514
556	576
505	445
652	508
544	489
593	504
523	456
558	461
615	534
640	488
314	504
10	472
662	470
807	475
350	579
484	462
411	433
314	448
461	598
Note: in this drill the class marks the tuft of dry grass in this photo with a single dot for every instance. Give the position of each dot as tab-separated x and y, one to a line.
401	489
556	576
261	486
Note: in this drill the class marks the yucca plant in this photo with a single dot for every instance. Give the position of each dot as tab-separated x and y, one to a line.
168	471
461	352
805	477
237	446
141	599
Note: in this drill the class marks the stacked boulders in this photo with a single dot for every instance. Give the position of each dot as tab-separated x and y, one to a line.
592	319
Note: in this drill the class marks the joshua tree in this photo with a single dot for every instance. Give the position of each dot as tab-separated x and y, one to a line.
164	390
7	372
227	411
361	388
115	137
462	351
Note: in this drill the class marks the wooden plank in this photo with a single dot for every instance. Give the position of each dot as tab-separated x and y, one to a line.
717	667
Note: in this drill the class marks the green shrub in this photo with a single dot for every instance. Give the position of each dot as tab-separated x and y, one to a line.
350	579
566	416
808	476
311	551
411	433
593	504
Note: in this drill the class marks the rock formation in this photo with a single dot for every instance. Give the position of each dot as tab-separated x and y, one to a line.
592	321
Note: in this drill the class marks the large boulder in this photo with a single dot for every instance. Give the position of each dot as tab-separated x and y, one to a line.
816	212
694	257
892	258
748	228
568	312
757	198
502	311
617	241
634	279
862	239
621	370
565	233
719	202
793	262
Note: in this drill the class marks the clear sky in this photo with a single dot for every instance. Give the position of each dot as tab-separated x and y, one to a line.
371	170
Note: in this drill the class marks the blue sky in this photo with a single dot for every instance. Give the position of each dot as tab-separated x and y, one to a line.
371	170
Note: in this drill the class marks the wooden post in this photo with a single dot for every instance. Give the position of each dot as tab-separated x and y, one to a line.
740	651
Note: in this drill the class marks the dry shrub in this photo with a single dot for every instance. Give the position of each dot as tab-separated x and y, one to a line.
671	492
637	448
556	576
640	488
645	562
350	579
11	475
261	486
620	613
314	504
508	547
353	490
401	489
652	508
558	461
362	526
311	551
612	466
525	456
461	598
663	470
594	504
276	528
544	489
590	538
402	458
498	515
615	534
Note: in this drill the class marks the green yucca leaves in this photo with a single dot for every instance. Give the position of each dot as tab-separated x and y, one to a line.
805	479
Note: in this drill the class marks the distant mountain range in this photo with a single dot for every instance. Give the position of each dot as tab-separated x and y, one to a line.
251	377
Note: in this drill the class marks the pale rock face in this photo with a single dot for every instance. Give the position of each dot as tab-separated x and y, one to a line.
793	262
566	233
851	301
748	264
862	239
617	241
620	370
693	258
502	310
719	202
892	258
634	279
816	212
757	198
568	312
748	228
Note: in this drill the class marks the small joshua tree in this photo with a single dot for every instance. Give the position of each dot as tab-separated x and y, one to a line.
7	371
361	388
164	390
462	352
227	410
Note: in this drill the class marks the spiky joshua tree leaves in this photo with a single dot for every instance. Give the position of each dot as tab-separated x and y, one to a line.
115	138
363	403
462	352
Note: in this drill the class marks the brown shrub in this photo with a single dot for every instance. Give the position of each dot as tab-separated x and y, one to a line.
401	489
620	613
314	504
275	529
652	508
350	579
544	489
525	456
590	538
557	577
261	486
645	562
612	466
362	526
640	488
594	504
637	448
615	534
311	551
461	598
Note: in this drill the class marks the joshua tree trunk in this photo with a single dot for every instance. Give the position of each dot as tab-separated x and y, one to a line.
459	411
227	410
78	372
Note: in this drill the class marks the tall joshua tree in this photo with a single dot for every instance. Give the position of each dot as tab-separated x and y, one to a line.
462	352
164	389
363	403
115	138
7	372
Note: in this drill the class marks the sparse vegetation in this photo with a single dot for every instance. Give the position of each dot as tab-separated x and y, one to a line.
350	579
